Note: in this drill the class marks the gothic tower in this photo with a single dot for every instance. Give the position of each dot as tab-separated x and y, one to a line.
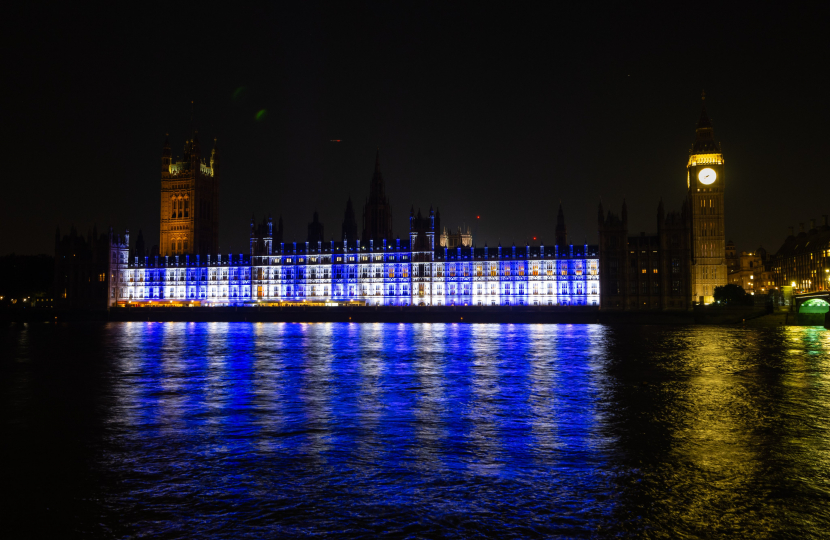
189	201
377	212
705	182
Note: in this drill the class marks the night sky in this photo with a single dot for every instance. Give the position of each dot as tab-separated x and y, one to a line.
498	112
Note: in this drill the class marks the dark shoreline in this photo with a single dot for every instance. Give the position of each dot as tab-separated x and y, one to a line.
392	314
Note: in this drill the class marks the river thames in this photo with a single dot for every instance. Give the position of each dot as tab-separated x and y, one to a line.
254	430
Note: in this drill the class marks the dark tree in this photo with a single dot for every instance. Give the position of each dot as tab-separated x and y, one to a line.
733	295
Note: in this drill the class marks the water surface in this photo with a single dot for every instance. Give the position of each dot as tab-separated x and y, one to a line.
253	430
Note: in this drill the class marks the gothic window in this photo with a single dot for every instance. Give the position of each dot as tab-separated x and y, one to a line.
186	208
185	244
675	266
173	204
173	246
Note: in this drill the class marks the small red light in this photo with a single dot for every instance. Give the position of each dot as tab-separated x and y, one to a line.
534	238
478	217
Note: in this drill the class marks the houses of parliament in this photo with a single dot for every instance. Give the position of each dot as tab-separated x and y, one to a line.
673	269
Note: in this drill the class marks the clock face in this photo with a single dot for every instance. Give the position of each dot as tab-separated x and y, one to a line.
707	176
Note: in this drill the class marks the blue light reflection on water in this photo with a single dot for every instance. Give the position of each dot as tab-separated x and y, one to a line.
235	429
452	422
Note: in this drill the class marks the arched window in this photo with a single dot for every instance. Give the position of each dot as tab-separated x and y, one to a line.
173	246
186	207
173	204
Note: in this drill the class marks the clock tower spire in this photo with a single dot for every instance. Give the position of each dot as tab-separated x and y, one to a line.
705	182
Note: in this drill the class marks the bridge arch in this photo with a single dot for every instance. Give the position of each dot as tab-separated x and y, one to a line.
814	305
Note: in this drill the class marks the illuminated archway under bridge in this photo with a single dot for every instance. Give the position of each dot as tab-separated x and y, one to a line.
814	305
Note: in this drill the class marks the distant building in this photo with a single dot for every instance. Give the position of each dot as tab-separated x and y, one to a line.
803	260
752	271
460	238
86	268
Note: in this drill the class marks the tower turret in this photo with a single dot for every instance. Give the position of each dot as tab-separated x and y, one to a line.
166	155
315	229
561	229
349	226
214	157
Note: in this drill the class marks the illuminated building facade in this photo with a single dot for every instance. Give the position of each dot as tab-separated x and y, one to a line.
751	271
803	261
385	274
189	201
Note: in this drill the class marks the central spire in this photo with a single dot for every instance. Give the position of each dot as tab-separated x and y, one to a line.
377	212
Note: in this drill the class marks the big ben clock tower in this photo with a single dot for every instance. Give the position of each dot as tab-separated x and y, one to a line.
705	181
